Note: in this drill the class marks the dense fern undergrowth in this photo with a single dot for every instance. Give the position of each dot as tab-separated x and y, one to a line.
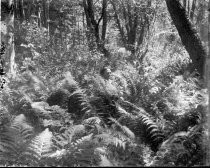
132	119
59	110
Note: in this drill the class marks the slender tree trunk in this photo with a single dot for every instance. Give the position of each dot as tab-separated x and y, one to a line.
104	13
209	30
16	9
39	17
83	27
135	25
21	12
89	28
201	13
188	7
192	10
48	17
207	74
93	34
78	32
185	4
29	10
44	15
10	51
188	35
122	33
200	23
145	26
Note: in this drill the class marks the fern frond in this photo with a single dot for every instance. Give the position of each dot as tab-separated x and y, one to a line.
59	97
92	121
125	130
105	162
7	144
189	119
144	127
105	107
69	136
184	148
4	117
69	83
121	111
114	139
78	104
77	152
13	140
84	139
22	129
39	148
76	131
104	87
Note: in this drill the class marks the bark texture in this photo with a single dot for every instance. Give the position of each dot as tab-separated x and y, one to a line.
188	35
94	36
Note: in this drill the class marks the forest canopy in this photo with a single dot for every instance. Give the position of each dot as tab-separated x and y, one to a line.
104	83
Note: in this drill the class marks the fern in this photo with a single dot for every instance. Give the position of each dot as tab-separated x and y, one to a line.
21	126
187	120
59	97
39	148
105	107
14	138
41	109
94	125
104	87
79	151
85	151
70	135
111	139
125	130
69	83
183	148
105	162
8	147
120	150
92	121
4	116
78	104
76	132
145	128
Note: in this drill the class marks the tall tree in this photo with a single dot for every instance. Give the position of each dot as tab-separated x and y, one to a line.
192	11
188	35
208	82
185	3
133	21
201	21
8	38
93	26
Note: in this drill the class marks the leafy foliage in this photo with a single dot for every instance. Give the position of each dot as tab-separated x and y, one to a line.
60	110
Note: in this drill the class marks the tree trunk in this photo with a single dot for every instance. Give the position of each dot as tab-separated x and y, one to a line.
201	13
188	7
90	30
208	86
185	3
10	51
104	20
122	33
188	35
93	34
192	10
44	14
134	25
47	16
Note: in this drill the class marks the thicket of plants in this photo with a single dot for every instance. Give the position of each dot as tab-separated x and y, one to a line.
59	110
